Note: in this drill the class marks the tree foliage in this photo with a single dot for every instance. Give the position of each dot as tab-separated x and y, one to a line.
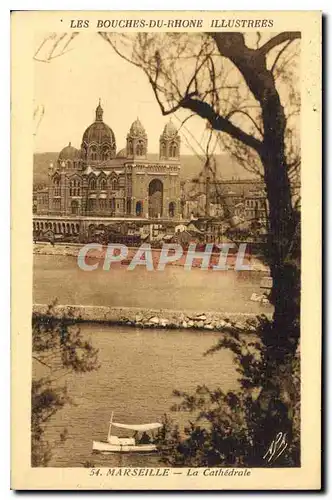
223	427
59	348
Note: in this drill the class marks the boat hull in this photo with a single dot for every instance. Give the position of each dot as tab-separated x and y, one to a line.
104	447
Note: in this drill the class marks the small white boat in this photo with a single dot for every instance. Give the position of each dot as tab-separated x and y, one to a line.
115	444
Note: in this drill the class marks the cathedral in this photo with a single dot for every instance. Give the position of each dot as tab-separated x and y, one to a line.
96	180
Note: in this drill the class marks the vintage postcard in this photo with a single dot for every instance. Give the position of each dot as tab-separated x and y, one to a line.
166	250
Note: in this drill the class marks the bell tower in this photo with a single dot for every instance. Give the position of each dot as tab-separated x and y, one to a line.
137	141
169	143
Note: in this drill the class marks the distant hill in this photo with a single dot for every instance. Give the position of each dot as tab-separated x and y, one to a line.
191	166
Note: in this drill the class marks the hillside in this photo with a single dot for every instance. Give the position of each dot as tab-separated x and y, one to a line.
191	166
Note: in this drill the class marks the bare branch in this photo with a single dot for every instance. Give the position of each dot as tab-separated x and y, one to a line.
204	110
278	39
280	54
245	113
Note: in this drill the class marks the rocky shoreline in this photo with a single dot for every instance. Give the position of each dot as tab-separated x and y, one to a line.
153	318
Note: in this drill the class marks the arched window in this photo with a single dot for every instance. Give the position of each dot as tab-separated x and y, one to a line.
112	204
74	207
163	149
93	153
105	154
56	185
103	184
139	208
114	184
130	147
129	206
92	184
92	204
75	188
171	209
173	150
140	148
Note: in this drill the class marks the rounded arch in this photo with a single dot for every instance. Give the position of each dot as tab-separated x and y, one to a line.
139	208
163	149
129	206
93	152
74	207
92	183
114	182
156	192
102	184
130	147
171	209
173	150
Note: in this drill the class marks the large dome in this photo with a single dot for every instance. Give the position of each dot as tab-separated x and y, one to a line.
98	141
98	132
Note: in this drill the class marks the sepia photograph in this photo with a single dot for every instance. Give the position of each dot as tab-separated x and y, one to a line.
166	233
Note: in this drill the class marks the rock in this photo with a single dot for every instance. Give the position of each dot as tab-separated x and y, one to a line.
163	322
200	324
138	318
255	297
201	317
184	324
208	327
190	323
154	320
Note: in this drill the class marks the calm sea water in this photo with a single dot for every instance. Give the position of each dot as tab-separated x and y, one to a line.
139	370
174	288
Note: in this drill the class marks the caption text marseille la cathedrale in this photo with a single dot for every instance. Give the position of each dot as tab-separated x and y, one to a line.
172	23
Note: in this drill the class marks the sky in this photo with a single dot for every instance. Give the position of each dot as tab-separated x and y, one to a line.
69	88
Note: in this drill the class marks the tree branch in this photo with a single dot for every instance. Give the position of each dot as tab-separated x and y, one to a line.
278	39
280	54
245	113
204	110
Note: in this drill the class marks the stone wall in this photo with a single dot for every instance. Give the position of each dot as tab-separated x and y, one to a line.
153	318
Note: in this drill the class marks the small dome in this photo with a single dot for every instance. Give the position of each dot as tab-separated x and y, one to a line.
69	153
122	153
137	129
170	130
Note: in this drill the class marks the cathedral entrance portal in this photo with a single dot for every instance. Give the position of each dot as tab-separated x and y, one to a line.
155	198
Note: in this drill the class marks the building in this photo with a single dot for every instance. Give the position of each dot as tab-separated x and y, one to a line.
97	180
